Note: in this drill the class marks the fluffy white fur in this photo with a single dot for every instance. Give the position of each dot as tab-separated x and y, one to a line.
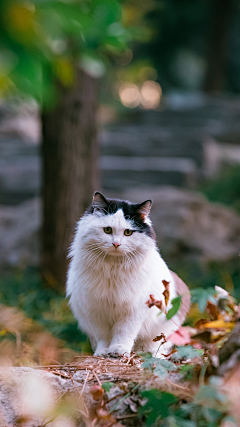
108	287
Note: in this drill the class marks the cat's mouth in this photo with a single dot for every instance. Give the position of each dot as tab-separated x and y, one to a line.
116	252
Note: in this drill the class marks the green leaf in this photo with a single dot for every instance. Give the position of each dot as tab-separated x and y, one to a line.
186	352
107	386
174	421
176	304
187	370
185	410
210	397
157	405
144	355
202	296
210	414
160	367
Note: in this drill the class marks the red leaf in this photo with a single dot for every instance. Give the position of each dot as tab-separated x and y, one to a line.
180	337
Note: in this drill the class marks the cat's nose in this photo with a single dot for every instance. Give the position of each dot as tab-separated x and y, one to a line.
116	245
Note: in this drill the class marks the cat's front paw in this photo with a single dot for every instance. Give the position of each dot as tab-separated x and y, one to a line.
101	352
118	350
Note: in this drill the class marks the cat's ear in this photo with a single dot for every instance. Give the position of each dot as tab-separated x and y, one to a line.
144	208
99	201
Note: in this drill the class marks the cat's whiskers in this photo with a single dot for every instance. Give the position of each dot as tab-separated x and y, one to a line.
130	260
94	254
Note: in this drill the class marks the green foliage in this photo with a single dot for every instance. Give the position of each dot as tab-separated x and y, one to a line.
45	40
209	397
225	188
202	296
24	289
157	405
176	304
160	367
187	370
107	386
209	408
186	352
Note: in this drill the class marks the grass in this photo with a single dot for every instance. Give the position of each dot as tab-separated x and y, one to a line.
23	288
225	188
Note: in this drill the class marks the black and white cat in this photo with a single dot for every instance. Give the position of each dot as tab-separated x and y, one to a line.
115	266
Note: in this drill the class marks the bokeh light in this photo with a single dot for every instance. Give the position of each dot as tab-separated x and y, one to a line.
148	95
129	95
151	93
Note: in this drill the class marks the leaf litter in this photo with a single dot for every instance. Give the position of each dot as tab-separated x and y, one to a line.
181	389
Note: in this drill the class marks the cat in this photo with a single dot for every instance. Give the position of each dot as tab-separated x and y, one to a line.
115	265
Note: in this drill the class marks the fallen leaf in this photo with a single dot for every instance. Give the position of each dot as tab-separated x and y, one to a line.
219	324
180	337
160	337
165	283
152	301
105	416
200	323
96	392
213	310
166	292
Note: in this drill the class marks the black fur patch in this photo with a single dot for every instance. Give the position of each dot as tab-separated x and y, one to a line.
130	211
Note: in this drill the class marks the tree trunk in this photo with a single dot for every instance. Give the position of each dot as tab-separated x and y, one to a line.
70	170
217	45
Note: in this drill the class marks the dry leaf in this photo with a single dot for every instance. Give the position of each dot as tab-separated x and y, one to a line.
200	323
165	284
166	292
96	392
213	310
105	415
219	324
180	337
152	301
160	337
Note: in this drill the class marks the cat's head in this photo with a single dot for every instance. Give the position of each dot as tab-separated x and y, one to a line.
118	227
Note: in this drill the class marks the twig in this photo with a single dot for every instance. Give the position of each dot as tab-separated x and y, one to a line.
85	382
98	380
43	425
112	398
82	412
130	358
176	385
120	401
63	394
56	361
161	343
126	416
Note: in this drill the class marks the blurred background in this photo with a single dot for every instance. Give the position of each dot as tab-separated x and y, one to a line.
137	99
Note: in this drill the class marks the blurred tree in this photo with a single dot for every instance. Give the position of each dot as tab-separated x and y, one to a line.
70	169
217	46
54	51
195	44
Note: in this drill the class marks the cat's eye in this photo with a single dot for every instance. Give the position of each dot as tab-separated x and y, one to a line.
128	232
108	230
